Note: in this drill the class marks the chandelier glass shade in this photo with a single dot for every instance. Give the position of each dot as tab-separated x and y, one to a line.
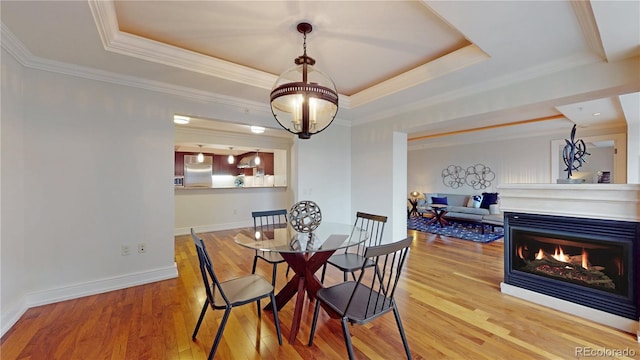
200	157
257	158
231	159
304	100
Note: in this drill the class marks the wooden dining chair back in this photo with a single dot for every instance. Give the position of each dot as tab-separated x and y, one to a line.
353	258
371	296
264	223
230	293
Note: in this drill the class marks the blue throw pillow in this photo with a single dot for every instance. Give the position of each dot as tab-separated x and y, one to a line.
488	199
439	200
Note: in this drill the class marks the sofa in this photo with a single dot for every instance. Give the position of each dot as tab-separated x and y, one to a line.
482	208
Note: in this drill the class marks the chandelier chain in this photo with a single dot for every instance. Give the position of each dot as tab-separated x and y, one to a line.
304	43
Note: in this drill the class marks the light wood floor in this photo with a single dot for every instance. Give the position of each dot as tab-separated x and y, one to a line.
450	303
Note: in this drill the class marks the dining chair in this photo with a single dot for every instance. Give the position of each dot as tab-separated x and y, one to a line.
371	296
352	258
230	293
265	222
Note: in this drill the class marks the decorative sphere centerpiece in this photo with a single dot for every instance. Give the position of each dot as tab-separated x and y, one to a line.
305	216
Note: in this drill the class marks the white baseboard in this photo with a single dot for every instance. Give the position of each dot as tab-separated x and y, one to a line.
214	227
12	315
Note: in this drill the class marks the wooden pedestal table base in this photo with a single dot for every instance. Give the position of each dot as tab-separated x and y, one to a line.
304	280
438	212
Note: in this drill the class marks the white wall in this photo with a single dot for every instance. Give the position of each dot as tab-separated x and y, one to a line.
599	159
512	160
631	111
97	158
224	209
633	159
13	265
373	179
322	168
617	162
525	160
87	166
399	170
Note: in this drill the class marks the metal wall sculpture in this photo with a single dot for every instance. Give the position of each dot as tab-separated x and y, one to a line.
477	176
453	176
573	153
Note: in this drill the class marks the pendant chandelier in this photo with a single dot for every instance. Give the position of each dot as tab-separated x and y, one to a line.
304	100
200	157
231	159
257	158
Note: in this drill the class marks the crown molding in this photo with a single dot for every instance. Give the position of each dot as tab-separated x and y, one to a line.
14	47
106	23
570	62
589	27
146	49
103	13
452	62
114	40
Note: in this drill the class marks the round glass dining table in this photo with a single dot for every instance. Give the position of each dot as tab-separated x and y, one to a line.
305	253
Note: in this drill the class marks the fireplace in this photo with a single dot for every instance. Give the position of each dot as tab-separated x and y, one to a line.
591	262
604	219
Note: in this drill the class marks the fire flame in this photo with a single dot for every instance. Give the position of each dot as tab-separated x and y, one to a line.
520	252
559	255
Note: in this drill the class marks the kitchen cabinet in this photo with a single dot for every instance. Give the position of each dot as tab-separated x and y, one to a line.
266	163
222	167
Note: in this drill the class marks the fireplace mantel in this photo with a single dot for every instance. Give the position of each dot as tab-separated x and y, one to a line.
600	201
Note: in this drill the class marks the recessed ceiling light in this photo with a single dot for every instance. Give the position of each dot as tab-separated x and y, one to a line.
257	129
182	120
596	114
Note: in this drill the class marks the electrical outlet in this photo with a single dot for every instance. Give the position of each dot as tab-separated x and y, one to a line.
125	250
142	248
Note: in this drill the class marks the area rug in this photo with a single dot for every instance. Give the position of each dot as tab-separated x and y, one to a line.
461	230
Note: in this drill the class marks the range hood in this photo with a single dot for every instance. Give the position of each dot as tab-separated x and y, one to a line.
248	161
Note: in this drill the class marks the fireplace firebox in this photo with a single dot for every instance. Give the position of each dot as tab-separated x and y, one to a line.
591	262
